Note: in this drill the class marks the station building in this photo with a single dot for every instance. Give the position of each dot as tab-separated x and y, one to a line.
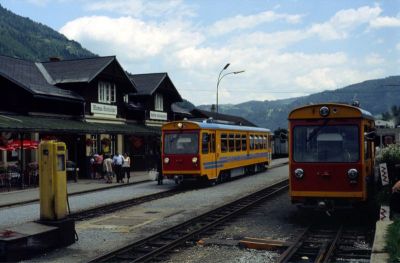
92	104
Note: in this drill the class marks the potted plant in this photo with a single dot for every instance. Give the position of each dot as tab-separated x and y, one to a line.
106	141
390	156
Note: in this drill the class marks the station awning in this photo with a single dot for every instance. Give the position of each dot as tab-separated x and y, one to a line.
22	123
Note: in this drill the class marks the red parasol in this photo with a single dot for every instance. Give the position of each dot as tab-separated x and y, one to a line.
26	144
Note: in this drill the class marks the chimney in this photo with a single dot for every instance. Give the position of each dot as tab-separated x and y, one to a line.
54	59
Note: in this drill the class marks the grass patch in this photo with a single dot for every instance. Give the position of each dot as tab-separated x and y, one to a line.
393	241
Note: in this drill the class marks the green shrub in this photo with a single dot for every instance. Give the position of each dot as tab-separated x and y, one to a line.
389	155
393	241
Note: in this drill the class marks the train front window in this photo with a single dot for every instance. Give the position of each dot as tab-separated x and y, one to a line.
181	143
326	144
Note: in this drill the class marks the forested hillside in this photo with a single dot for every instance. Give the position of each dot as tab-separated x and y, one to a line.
376	96
23	38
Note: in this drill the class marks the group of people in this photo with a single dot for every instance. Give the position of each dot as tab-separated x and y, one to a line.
108	166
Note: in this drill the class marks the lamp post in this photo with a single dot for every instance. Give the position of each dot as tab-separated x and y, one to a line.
220	77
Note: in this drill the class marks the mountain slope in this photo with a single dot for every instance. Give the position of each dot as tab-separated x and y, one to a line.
375	96
23	38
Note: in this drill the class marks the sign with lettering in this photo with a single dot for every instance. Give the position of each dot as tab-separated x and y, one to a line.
158	115
104	109
384	174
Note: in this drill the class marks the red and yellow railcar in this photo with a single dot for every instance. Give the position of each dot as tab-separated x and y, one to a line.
331	155
213	152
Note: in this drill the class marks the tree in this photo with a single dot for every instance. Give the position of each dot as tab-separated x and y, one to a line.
394	115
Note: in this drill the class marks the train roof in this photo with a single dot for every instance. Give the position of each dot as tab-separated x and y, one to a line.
335	109
218	126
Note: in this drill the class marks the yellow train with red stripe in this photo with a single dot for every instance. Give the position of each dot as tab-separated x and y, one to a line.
331	155
213	152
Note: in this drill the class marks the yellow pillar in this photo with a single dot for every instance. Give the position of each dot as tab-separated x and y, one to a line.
53	180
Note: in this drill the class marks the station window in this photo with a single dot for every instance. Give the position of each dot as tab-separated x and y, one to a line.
224	142
158	102
244	142
205	143
238	146
106	92
93	146
231	142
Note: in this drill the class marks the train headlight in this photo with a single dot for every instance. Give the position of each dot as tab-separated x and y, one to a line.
166	160
180	125
324	111
299	173
194	160
352	174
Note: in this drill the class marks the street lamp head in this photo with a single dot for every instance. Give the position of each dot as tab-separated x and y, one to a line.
238	72
226	66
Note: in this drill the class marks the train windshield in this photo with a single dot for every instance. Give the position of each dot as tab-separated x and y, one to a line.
326	144
181	143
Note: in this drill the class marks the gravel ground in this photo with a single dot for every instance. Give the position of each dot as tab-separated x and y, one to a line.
99	235
276	219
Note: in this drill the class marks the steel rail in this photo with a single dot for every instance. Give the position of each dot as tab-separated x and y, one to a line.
162	242
320	245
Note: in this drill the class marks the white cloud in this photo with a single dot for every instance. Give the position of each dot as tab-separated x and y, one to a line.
374	59
129	37
241	22
398	46
380	22
344	22
275	67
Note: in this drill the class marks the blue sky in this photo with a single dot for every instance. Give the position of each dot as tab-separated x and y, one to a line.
287	48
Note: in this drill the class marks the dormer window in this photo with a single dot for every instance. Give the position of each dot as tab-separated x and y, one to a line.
158	102
107	92
126	98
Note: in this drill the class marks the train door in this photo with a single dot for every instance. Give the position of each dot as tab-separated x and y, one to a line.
208	153
368	167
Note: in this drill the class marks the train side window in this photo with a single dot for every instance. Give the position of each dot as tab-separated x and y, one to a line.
251	142
265	138
244	142
231	142
256	142
238	145
205	143
212	143
224	143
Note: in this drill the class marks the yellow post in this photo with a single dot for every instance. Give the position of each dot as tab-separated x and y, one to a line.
53	180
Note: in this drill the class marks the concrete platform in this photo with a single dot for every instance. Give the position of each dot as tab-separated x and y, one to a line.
32	238
379	253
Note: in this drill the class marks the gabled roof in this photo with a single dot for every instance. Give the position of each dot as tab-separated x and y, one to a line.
147	84
197	113
27	75
77	70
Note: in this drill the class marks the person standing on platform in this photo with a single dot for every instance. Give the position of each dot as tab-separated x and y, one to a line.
107	168
118	160
160	176
126	167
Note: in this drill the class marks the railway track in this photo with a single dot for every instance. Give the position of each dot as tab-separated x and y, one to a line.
153	247
329	243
